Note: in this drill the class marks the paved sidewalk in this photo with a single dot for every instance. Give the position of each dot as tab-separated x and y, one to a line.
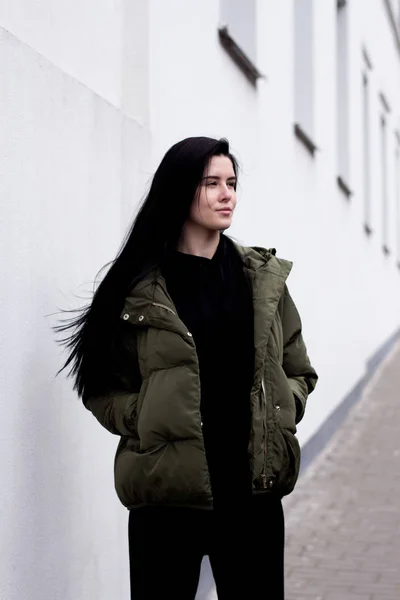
343	519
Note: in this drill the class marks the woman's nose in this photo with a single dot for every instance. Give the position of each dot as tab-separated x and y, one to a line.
226	193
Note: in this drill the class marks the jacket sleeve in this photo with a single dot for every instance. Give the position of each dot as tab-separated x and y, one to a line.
116	410
296	364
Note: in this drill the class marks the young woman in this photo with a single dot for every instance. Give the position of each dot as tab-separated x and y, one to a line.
192	352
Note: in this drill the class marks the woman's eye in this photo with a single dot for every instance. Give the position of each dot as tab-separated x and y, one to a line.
212	183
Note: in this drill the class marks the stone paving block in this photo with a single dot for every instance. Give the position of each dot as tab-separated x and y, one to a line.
382	588
346	596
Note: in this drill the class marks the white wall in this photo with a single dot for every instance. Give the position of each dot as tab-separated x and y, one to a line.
78	37
347	291
91	96
70	165
102	44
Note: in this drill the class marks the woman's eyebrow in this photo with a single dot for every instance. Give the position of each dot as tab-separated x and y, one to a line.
217	177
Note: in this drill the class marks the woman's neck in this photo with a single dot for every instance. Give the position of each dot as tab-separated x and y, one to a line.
198	241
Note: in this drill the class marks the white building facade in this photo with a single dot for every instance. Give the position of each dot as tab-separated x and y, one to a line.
92	94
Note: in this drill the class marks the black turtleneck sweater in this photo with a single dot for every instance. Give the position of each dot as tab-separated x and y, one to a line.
213	299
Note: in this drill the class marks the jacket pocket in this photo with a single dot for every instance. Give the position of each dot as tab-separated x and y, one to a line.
286	460
283	399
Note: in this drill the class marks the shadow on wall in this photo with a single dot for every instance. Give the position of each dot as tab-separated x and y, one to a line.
42	533
67	529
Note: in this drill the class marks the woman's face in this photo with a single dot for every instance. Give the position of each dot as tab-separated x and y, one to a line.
215	202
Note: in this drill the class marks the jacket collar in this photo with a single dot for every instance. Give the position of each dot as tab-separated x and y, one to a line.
266	272
256	258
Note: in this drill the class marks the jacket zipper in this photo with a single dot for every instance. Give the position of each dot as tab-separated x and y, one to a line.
263	474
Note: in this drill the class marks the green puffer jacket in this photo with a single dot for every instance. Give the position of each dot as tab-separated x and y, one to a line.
155	406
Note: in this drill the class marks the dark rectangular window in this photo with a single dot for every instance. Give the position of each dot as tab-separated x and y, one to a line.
238	34
304	72
366	155
239	16
397	195
384	186
342	96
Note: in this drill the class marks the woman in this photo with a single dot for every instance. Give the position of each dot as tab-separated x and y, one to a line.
192	353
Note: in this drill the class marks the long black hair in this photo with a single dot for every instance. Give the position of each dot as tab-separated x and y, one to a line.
155	231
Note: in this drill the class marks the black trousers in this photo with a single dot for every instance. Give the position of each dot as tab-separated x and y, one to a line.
245	547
